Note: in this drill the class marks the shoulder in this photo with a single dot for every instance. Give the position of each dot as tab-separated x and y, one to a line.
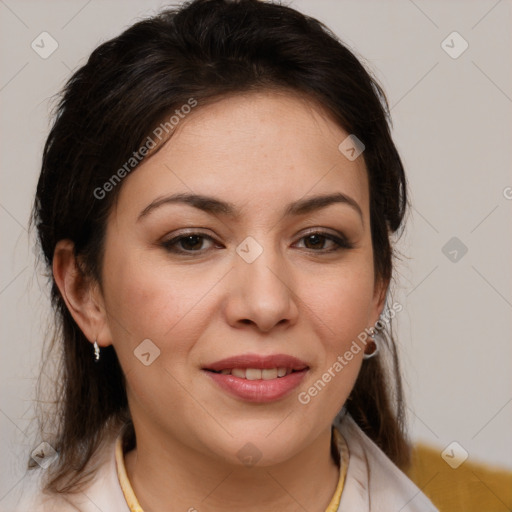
29	496
103	492
373	482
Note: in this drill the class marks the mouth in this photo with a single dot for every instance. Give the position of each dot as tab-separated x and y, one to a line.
256	373
254	378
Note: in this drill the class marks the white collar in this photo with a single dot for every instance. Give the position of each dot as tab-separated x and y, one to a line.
373	483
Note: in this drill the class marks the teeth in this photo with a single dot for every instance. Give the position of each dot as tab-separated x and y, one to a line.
257	373
252	374
269	373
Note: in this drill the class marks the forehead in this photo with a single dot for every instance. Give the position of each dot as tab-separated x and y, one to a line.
260	148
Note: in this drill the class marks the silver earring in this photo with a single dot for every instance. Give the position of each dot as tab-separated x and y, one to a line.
96	351
371	349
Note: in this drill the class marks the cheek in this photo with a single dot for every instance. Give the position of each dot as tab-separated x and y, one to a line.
339	315
344	309
148	300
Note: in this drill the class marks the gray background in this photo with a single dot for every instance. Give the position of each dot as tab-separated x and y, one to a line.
452	124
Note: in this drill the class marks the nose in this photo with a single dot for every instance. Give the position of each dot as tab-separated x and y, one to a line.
261	293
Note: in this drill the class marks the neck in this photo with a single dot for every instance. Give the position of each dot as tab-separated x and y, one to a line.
169	473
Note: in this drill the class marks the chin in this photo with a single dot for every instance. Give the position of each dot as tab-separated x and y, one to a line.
259	443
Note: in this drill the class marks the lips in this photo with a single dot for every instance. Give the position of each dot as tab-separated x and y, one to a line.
256	378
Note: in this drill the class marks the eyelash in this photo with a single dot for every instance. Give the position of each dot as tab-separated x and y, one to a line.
170	245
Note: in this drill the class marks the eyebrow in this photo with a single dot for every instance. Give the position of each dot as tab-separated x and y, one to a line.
215	206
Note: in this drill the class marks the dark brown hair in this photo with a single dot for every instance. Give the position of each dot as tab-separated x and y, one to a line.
205	50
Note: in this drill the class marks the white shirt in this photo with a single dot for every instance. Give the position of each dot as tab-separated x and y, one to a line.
372	484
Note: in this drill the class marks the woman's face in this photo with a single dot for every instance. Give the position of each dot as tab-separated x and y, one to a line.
266	280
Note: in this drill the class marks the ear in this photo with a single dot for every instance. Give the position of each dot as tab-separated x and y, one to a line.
379	299
81	294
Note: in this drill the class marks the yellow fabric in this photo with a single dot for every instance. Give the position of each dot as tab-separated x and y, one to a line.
472	487
134	504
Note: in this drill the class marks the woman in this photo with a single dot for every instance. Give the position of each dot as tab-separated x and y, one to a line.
216	202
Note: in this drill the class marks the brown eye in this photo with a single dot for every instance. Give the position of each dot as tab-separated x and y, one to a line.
190	243
316	241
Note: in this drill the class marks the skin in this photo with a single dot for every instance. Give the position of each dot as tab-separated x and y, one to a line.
259	151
